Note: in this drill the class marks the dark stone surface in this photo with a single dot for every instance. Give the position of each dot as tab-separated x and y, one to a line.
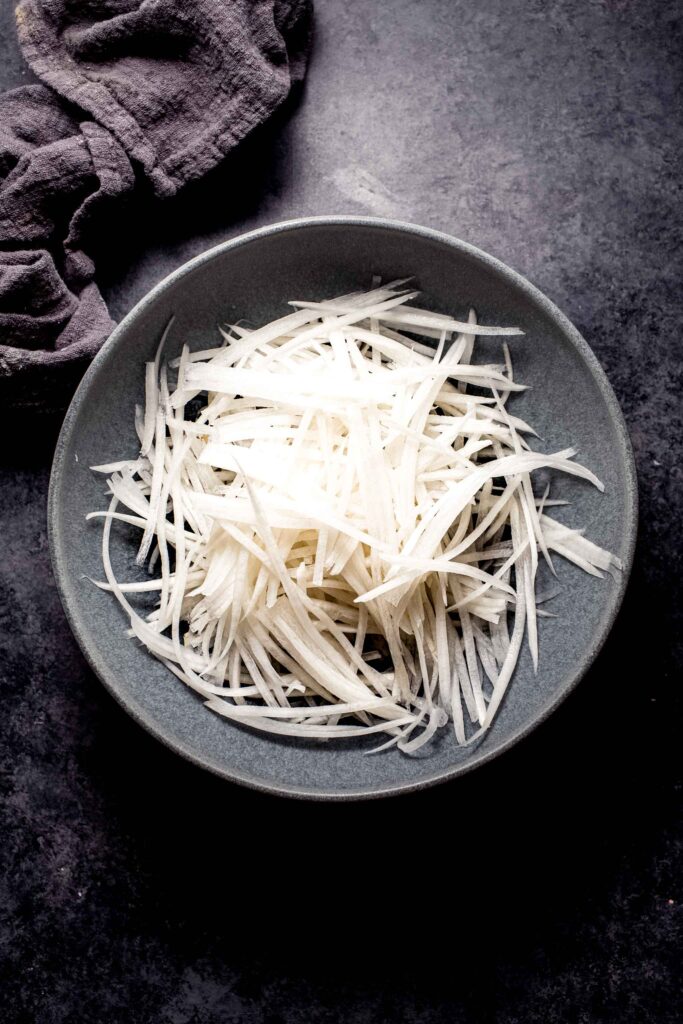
134	888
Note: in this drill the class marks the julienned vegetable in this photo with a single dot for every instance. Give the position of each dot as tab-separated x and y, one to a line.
345	537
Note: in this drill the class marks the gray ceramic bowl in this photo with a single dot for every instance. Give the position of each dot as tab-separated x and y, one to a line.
252	277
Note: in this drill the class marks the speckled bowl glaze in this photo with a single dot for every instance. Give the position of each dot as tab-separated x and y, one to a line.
252	277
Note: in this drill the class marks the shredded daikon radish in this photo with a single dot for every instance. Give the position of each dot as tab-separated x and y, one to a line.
343	529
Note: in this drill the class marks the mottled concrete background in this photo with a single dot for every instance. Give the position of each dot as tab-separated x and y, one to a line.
545	888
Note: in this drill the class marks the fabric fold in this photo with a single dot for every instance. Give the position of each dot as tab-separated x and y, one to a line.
156	89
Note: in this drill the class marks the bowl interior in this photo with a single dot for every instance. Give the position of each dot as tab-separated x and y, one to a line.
252	278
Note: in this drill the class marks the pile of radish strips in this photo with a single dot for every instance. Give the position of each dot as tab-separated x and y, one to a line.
344	535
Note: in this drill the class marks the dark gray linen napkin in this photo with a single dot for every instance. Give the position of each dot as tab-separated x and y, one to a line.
158	90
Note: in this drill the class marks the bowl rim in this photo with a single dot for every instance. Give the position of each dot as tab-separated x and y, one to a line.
109	678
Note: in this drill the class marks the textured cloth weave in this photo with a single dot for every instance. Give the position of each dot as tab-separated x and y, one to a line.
159	90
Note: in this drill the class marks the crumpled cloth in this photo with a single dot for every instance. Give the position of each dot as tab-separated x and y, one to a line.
153	91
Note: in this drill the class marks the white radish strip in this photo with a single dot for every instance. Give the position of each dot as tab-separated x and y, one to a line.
336	529
151	406
574	540
123	517
307	731
472	665
508	666
462	677
157	481
128	465
410	317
